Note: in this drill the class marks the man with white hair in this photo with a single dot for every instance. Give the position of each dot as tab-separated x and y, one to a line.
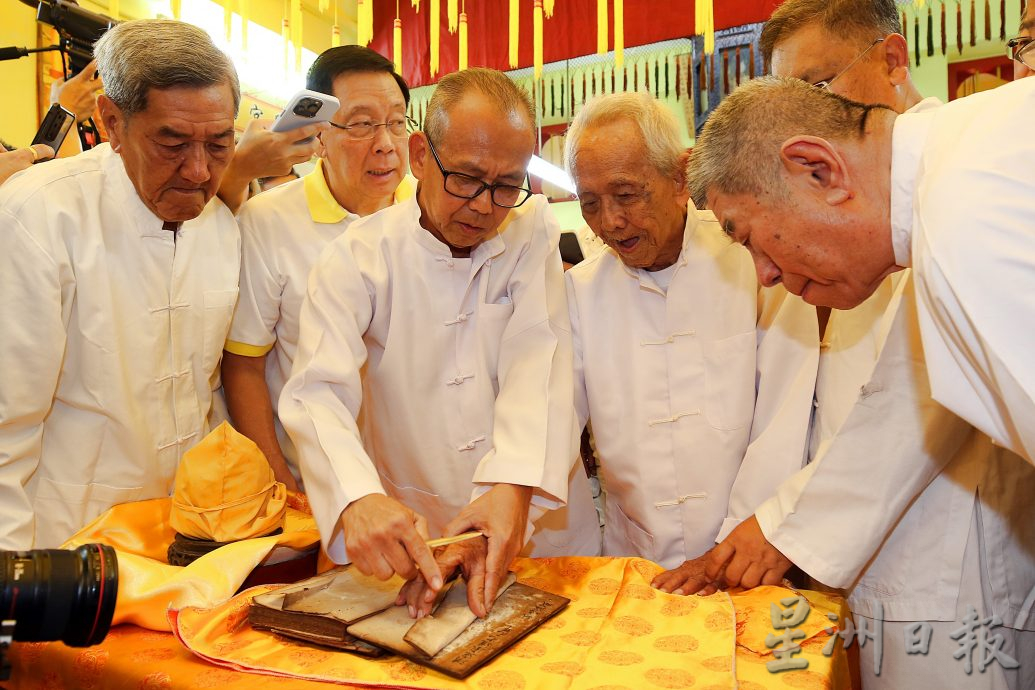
698	382
119	276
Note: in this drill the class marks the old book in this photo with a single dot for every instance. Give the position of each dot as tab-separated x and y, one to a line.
452	616
319	609
518	610
344	609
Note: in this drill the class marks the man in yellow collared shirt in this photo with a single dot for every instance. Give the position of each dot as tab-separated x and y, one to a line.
362	170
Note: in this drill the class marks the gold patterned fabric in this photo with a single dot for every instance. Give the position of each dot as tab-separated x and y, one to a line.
616	634
141	534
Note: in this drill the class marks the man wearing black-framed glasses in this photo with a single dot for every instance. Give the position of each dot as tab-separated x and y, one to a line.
453	305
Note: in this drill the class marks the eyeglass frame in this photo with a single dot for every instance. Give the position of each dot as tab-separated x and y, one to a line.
407	121
1021	50
491	187
825	83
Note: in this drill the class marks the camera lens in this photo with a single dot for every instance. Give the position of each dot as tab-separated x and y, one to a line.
54	594
307	107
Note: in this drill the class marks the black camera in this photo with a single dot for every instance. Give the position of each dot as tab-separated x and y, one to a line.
78	27
55	594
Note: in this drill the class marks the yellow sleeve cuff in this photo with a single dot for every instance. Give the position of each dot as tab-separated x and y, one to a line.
246	350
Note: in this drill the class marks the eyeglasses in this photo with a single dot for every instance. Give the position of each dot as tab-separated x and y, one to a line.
826	83
469	187
1022	49
365	129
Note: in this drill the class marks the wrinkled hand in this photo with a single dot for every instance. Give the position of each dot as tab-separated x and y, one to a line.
79	93
469	556
20	159
746	558
383	538
689	578
501	514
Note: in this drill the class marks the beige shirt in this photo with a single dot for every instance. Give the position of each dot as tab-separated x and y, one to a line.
699	395
113	330
283	232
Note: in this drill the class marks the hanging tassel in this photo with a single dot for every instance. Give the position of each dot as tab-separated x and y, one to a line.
667	83
361	38
285	35
704	23
930	32
397	45
1002	20
944	41
296	32
601	27
228	17
973	23
174	8
905	28
916	38
335	30
959	26
434	20
725	73
514	25
751	60
988	21
619	34
657	80
537	39
463	40
453	15
416	5
548	8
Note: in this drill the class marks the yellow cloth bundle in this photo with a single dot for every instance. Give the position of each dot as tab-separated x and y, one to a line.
225	490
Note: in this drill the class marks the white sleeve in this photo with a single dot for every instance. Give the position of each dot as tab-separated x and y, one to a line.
974	263
31	352
787	360
533	439
830	518
322	398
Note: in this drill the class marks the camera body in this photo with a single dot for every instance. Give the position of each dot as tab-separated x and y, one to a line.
57	594
79	29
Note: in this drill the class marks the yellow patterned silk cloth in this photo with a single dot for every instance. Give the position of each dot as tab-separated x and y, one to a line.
617	633
148	586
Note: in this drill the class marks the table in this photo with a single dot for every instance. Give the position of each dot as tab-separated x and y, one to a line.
616	627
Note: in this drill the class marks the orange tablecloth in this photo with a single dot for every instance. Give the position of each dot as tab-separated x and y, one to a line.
616	627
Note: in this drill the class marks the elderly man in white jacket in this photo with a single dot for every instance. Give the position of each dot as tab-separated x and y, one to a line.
698	382
953	532
452	304
118	276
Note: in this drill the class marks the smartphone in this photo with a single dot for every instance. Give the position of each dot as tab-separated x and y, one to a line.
57	123
306	108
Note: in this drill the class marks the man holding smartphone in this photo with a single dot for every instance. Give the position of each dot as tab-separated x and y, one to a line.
119	278
362	169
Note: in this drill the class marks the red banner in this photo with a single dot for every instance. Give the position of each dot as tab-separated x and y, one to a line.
570	33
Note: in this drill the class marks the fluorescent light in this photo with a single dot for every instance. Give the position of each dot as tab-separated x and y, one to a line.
546	170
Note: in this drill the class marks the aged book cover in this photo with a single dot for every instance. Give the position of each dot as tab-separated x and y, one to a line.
346	610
